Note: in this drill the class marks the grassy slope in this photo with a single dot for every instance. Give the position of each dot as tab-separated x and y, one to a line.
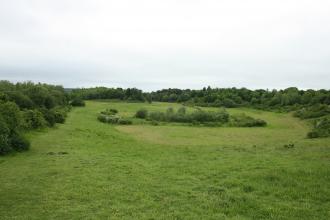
167	172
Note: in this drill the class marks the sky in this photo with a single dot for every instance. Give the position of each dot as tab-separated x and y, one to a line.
155	44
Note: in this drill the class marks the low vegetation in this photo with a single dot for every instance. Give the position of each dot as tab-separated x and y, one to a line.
110	116
200	117
77	101
321	128
320	116
227	164
28	106
282	100
85	169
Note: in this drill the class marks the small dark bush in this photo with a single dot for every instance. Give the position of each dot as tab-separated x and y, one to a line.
243	120
78	102
49	115
19	142
124	121
110	111
4	138
155	123
114	111
142	113
113	119
102	118
157	116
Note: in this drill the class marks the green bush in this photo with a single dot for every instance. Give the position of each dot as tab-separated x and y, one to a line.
182	111
124	121
198	116
4	138
113	119
102	118
157	116
59	116
110	111
313	112
142	113
243	120
114	111
78	102
34	119
321	128
19	142
49	116
11	115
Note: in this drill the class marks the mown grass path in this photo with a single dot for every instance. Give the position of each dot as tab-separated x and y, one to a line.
85	169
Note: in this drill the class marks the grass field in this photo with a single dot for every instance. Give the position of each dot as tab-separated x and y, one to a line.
85	169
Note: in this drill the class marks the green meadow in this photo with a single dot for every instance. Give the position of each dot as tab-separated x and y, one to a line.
85	169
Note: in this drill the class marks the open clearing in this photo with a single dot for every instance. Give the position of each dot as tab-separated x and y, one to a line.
85	169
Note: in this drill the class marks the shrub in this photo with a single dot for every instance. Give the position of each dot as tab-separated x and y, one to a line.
182	111
113	119
110	111
19	142
155	123
157	116
34	119
142	113
59	116
243	120
114	111
313	112
49	115
102	118
4	138
198	116
124	121
78	102
321	129
11	115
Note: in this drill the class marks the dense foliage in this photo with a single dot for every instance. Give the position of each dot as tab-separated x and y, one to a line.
201	117
110	116
77	101
321	128
26	106
141	113
130	94
243	120
319	114
234	97
287	99
314	111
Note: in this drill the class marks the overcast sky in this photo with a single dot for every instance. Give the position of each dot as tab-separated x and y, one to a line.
154	44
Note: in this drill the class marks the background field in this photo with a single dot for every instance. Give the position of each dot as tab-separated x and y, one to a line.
87	169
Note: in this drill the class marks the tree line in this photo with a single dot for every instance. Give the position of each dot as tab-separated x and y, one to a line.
129	94
289	98
286	99
27	106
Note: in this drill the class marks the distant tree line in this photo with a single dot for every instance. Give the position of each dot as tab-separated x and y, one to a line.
129	94
286	99
27	106
290	98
